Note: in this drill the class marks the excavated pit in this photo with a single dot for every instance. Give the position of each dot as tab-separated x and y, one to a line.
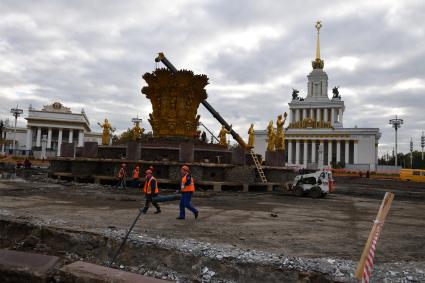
151	258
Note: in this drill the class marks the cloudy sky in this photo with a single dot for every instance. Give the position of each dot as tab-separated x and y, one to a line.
92	54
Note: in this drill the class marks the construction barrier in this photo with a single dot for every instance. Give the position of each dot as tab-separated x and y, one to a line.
365	266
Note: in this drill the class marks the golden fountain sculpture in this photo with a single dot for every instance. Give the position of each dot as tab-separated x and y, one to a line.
251	137
271	136
107	131
175	100
222	136
137	131
280	133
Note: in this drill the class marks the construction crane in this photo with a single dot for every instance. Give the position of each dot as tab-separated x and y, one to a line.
161	58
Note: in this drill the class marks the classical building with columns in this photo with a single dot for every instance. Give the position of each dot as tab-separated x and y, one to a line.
57	124
315	135
48	128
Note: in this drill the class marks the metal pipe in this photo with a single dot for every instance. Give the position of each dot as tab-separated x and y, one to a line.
161	58
125	238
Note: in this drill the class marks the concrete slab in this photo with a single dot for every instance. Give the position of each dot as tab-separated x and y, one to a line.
26	266
91	273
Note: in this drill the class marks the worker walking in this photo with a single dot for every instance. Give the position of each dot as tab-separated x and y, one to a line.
121	177
187	189
136	176
151	190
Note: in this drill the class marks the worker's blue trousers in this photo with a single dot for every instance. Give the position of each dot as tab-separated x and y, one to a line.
185	202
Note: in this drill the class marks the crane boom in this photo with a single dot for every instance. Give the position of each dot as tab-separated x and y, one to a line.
161	58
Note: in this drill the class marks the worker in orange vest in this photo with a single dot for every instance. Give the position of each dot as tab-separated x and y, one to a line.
121	177
151	190
136	176
187	189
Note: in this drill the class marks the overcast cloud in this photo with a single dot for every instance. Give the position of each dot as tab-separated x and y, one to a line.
92	54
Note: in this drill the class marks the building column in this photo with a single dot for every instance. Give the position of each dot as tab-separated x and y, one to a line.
356	148
297	115
325	114
338	151
341	115
49	138
347	152
59	142
329	152
305	153
71	136
321	159
318	114
297	152
304	113
332	116
80	138
29	139
289	152
313	151
38	141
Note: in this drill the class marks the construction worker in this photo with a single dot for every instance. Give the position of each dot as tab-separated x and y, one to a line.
121	177
187	189
136	177
151	190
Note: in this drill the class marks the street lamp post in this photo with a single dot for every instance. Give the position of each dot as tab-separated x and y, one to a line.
396	123
423	144
136	120
411	153
16	113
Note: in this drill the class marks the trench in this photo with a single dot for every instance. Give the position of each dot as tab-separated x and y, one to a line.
73	245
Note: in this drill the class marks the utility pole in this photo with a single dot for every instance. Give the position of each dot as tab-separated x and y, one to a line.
396	123
423	144
16	113
411	153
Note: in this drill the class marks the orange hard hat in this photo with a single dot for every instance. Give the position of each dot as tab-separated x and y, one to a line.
148	172
185	168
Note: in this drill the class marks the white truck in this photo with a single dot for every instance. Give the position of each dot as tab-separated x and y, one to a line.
315	184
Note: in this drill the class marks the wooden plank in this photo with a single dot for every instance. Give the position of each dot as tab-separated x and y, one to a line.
379	220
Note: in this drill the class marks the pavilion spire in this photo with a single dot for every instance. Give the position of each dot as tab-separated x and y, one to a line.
318	63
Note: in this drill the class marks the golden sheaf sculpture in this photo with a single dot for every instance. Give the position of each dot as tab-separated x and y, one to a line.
175	100
310	123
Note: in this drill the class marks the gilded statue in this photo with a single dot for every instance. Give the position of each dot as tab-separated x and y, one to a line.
137	131
251	136
107	131
175	99
280	134
271	137
222	136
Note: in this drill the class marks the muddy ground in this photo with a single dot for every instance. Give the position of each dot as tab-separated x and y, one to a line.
333	227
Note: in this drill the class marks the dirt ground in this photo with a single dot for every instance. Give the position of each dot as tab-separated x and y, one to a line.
336	226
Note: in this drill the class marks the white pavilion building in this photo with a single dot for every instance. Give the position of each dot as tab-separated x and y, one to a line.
48	128
316	122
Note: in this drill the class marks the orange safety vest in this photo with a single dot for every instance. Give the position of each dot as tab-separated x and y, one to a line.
187	188
121	173
136	173
147	188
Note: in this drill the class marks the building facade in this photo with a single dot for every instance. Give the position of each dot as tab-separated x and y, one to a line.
316	135
47	129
